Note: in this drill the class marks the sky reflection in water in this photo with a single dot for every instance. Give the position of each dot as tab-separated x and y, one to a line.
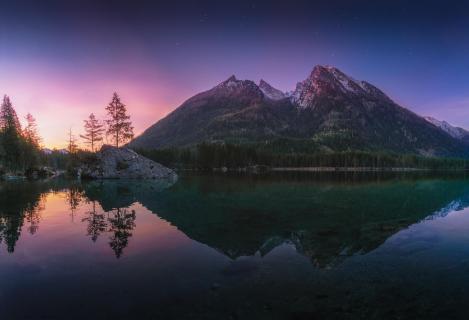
246	247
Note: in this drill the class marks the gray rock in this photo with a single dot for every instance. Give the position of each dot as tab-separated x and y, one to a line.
123	163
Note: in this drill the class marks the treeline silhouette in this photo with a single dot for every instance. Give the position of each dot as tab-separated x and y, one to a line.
211	155
19	147
21	152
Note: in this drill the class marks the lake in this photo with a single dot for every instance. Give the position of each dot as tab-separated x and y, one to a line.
274	246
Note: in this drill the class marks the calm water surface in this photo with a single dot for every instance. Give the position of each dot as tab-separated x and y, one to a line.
236	247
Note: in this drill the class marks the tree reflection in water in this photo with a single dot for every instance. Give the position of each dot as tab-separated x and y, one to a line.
22	205
10	227
121	223
20	202
326	221
74	197
33	214
96	222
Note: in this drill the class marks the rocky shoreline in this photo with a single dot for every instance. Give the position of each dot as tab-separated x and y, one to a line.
33	174
108	163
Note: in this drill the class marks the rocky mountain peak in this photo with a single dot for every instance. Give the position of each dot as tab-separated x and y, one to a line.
307	90
329	110
271	92
233	83
230	82
331	82
233	88
231	79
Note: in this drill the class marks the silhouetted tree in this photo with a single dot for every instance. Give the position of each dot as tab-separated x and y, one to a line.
8	116
72	146
30	143
30	132
93	132
119	127
10	130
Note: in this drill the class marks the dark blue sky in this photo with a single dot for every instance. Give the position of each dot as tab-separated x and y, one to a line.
73	54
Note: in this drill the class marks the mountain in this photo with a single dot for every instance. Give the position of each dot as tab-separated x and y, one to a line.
455	132
328	111
48	151
270	92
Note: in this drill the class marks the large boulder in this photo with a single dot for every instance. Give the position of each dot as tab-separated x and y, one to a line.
123	163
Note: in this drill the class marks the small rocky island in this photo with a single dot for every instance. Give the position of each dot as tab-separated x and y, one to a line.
123	163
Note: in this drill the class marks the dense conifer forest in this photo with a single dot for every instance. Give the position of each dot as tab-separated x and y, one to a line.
19	147
232	156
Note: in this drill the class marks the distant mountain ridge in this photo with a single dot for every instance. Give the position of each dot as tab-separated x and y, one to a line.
50	151
328	111
455	132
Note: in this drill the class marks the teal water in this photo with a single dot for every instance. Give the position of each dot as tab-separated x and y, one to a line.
296	246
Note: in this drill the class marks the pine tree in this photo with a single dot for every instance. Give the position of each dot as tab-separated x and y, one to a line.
8	117
30	143
30	132
10	130
72	146
119	127
93	132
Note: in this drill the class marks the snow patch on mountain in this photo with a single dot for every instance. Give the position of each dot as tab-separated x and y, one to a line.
237	88
455	132
304	93
326	81
231	82
348	83
48	151
271	92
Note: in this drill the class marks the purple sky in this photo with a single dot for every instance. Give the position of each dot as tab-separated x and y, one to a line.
61	60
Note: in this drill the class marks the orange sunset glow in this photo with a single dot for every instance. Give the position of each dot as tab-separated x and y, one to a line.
63	102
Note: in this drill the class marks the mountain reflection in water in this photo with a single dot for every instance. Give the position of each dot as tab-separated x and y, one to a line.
319	246
326	218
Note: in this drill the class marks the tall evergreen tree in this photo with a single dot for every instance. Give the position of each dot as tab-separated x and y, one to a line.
30	132
30	143
119	127
72	146
8	116
93	132
10	130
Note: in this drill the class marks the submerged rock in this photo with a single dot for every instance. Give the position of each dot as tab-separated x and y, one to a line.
123	163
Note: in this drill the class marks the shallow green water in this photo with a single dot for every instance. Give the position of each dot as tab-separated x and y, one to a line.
296	246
